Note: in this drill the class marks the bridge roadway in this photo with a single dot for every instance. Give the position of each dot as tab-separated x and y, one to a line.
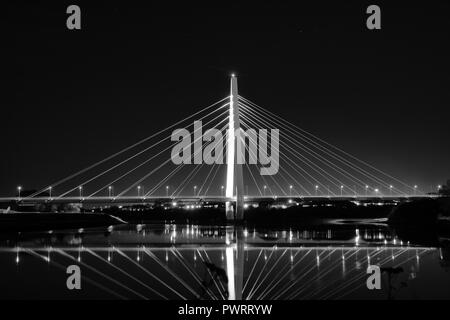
194	199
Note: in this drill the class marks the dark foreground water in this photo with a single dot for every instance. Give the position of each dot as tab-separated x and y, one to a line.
170	261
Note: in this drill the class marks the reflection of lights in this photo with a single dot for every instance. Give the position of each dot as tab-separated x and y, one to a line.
245	233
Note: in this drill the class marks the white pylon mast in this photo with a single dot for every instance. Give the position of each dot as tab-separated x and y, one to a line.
235	183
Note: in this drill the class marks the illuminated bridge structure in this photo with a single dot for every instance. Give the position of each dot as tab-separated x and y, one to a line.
309	167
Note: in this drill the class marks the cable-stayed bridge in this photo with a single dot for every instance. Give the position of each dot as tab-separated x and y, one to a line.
308	167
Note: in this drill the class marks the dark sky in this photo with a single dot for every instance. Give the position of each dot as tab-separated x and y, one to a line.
75	97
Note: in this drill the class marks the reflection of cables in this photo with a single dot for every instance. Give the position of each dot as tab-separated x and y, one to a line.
151	275
111	279
267	274
159	262
85	278
181	259
213	277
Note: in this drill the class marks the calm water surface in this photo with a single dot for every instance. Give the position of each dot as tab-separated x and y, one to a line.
199	262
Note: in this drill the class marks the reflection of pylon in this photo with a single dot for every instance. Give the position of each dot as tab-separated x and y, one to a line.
235	182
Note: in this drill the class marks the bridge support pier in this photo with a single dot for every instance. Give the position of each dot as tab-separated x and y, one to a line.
235	182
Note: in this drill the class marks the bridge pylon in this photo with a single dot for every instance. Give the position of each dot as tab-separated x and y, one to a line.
235	182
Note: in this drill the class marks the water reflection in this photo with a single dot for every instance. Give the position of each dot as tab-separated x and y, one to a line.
197	262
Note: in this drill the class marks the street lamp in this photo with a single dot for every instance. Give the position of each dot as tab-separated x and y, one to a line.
80	188
290	191
167	191
195	192
221	190
367	188
265	187
50	192
139	191
390	190
317	188
19	189
110	191
342	188
415	189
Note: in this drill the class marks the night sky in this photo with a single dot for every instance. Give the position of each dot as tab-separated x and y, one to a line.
75	97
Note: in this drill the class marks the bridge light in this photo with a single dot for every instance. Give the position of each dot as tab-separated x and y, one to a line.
19	189
439	187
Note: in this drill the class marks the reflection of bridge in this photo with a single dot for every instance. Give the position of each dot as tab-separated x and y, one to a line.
180	265
185	272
